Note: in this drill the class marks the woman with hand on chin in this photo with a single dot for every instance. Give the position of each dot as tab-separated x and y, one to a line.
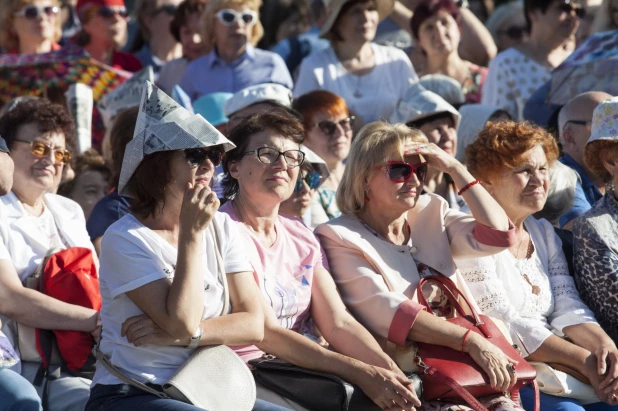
529	286
389	236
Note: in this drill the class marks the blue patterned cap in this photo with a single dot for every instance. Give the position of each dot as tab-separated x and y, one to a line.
3	147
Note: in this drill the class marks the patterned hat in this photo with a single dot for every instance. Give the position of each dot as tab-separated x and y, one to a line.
605	121
163	125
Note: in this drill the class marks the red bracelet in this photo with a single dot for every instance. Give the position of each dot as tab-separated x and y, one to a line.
463	190
463	343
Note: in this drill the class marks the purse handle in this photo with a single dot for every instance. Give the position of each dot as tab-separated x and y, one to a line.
452	292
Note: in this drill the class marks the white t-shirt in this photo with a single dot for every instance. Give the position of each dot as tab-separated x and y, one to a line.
132	256
512	78
371	97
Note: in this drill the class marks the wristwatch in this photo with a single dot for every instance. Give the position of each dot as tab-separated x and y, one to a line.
195	340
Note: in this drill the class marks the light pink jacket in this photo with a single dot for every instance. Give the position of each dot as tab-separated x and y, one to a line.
377	280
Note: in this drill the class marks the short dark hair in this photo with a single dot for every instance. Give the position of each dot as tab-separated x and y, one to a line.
183	12
148	182
280	122
531	5
120	135
47	116
430	8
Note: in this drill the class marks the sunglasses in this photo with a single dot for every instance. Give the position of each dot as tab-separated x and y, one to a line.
108	12
567	7
329	127
33	12
313	179
400	171
229	17
169	9
196	156
269	155
42	150
514	32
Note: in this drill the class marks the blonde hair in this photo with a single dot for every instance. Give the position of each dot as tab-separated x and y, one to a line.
375	144
8	39
207	22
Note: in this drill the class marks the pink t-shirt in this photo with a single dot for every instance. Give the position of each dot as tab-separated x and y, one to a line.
284	272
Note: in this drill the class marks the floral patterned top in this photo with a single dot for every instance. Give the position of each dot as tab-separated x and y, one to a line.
596	261
473	84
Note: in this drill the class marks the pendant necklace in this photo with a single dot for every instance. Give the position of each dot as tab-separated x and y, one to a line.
536	290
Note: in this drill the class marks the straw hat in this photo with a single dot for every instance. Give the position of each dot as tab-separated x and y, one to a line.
333	8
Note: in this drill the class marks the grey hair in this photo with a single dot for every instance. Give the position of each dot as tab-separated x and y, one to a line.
562	183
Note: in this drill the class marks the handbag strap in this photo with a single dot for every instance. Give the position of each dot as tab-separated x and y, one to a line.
220	266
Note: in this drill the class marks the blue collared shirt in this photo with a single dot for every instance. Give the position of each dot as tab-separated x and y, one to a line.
210	74
586	193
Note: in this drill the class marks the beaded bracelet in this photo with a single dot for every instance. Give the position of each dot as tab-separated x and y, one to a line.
467	186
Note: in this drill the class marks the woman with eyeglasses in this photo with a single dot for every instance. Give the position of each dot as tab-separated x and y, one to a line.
30	26
507	25
328	133
40	136
104	33
291	270
436	30
516	73
154	45
390	235
230	31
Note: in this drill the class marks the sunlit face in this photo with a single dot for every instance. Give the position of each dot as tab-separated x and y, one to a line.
299	202
359	23
34	31
523	191
439	34
109	31
162	16
442	133
274	182
89	187
32	173
230	39
191	39
556	20
330	147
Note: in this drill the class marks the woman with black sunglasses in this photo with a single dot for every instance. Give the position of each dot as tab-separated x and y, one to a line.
30	26
390	236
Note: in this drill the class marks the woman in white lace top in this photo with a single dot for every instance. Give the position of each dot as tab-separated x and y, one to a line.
528	286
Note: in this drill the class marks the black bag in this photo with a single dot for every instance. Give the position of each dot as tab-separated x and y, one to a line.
315	390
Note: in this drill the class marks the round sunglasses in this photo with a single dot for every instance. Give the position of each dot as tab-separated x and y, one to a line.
41	150
229	17
108	12
567	6
313	180
196	156
400	171
329	127
33	12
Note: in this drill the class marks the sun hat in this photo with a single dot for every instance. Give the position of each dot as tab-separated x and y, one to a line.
3	146
210	107
605	121
163	125
333	8
473	119
446	87
271	92
126	95
419	103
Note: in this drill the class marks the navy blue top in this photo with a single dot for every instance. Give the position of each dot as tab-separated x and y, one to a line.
106	212
586	193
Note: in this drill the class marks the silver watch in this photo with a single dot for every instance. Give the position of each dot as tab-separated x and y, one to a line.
195	340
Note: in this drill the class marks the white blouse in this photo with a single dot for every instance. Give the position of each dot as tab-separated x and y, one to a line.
501	290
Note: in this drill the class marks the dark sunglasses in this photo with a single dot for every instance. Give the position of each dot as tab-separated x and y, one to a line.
313	179
329	127
108	12
568	7
41	150
400	171
33	12
514	32
196	156
169	9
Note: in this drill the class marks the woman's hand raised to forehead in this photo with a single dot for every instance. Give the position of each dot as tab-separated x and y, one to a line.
198	208
434	155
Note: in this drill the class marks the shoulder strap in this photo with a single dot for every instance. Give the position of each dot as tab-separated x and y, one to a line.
214	231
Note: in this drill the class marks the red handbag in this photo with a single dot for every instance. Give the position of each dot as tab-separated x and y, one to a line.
451	374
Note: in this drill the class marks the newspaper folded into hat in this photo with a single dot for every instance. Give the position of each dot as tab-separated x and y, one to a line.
126	95
163	125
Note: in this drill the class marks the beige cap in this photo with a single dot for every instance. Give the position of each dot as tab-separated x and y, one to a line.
333	8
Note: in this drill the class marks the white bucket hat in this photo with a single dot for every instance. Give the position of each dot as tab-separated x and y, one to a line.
605	121
163	125
257	94
473	119
419	103
333	8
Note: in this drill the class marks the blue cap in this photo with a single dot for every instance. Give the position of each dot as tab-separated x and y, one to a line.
210	107
3	147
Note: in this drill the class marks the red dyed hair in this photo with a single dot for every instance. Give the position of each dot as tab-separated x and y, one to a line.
430	8
319	101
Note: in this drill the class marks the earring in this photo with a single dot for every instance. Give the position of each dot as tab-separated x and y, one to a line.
366	199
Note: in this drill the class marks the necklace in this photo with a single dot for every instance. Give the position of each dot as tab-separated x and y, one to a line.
536	290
